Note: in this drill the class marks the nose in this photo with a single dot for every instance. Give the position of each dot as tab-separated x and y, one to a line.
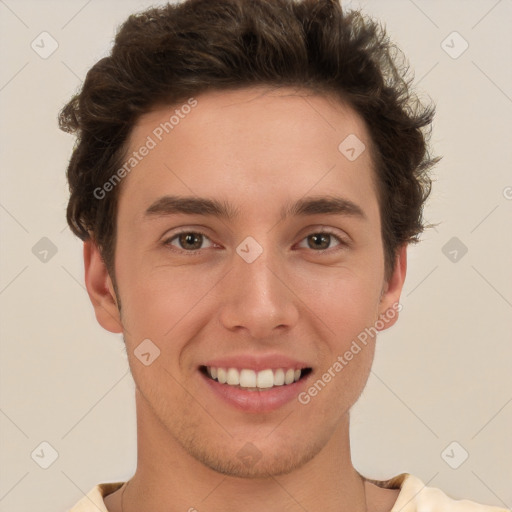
258	297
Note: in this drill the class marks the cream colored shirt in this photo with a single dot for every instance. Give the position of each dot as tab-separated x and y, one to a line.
413	497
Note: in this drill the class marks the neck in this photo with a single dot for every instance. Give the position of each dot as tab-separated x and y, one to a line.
169	478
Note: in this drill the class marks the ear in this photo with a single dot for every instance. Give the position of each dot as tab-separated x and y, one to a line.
100	289
389	305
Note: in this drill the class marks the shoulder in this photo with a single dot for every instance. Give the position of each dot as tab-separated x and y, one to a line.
415	496
93	501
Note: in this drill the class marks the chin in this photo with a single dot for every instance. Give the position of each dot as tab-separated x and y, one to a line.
255	461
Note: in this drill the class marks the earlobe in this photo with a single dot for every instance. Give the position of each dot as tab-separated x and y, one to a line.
389	306
100	289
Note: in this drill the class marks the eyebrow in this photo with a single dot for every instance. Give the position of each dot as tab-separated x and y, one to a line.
189	205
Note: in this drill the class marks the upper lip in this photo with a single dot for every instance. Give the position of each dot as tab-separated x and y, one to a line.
257	363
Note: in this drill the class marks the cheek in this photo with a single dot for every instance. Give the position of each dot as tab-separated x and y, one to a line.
344	299
345	309
158	302
345	312
165	308
155	300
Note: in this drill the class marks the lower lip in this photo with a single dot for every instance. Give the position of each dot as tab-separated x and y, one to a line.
256	401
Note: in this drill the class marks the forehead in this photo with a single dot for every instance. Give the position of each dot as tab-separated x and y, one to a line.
252	146
261	111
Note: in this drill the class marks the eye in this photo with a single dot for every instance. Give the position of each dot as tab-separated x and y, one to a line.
321	241
190	241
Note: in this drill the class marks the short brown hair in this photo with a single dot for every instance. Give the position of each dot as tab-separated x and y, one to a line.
167	54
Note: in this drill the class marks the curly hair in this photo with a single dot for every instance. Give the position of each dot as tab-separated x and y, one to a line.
166	54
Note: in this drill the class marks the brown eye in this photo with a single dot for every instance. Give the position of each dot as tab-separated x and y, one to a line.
322	241
319	241
188	240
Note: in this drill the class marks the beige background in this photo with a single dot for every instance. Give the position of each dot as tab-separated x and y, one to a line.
442	374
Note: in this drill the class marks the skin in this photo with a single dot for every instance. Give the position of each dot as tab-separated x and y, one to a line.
258	149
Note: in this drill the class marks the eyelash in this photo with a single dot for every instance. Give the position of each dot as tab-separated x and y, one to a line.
193	252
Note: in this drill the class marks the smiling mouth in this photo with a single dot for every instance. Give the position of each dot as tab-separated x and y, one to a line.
251	380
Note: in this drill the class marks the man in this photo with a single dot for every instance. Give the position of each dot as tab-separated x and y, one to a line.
247	178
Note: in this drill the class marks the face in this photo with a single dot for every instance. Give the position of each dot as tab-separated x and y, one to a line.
282	268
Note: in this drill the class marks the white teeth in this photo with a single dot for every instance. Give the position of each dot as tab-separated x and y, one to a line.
246	378
279	377
233	377
265	379
221	375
